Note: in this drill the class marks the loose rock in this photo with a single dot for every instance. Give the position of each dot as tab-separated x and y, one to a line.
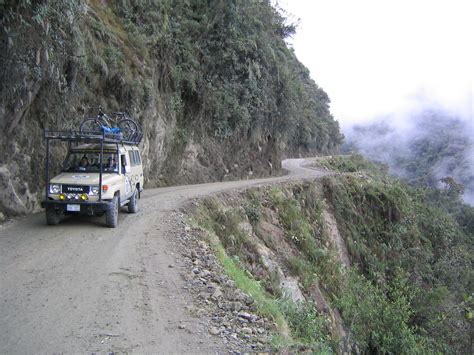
247	330
214	331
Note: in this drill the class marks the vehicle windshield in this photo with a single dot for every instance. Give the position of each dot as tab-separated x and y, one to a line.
89	161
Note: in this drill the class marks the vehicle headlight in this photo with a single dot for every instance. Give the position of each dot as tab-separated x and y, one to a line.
54	188
94	190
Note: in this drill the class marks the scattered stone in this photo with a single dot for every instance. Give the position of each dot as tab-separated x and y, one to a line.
205	273
202	244
217	293
246	227
230	283
214	331
246	330
247	316
216	299
248	300
170	266
212	287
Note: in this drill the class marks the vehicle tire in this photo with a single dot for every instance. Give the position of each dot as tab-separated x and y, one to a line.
127	127
111	215
133	204
90	125
53	216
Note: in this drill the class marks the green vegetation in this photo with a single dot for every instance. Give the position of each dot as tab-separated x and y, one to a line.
309	328
350	164
226	64
416	263
379	319
266	305
216	77
221	238
300	213
410	287
305	270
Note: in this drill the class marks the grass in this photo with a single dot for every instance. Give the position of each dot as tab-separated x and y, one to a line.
303	269
400	292
309	327
300	326
223	232
351	164
266	305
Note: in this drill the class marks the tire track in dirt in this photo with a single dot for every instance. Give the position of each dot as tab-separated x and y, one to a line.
81	287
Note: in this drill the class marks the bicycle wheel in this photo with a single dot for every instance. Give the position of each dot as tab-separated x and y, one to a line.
90	125
127	127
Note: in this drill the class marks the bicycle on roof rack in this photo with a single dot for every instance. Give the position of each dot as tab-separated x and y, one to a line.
120	122
102	171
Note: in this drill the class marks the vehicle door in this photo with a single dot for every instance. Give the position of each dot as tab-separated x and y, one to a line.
135	167
126	188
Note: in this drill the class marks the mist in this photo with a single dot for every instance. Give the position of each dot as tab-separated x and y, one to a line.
422	143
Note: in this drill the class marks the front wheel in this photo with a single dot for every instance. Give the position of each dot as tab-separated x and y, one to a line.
111	215
53	216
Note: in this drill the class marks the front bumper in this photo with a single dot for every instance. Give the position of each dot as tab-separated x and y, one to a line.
85	207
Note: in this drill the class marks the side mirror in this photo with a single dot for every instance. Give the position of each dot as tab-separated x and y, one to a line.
126	169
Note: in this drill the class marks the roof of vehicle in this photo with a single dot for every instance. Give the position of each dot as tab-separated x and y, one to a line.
107	147
134	138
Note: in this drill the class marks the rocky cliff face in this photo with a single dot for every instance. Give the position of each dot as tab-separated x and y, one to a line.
216	89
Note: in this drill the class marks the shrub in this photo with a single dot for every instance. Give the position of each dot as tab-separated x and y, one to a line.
307	326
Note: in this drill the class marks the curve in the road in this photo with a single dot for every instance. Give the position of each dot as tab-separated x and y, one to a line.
81	287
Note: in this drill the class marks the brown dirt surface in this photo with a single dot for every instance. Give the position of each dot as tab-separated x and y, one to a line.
81	287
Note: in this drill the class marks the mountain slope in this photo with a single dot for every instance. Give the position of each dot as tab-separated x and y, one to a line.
217	90
353	261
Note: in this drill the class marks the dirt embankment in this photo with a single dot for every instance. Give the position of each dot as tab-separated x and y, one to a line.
79	286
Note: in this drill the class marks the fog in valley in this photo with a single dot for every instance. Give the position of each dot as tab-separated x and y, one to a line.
422	144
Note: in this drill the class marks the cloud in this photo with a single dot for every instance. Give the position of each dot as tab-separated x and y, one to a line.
372	57
422	145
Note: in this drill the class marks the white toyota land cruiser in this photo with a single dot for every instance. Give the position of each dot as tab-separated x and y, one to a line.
101	173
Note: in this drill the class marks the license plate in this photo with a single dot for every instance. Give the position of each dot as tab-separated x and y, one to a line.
73	208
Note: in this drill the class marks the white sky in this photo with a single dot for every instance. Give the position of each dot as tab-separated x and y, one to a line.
382	56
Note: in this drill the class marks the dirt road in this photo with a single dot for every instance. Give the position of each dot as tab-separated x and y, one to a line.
81	287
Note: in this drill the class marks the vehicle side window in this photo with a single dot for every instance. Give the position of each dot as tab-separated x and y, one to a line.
134	157
123	159
133	161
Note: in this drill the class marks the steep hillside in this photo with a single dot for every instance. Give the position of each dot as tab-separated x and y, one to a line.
217	90
356	261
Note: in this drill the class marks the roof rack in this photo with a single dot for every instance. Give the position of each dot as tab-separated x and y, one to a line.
94	136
